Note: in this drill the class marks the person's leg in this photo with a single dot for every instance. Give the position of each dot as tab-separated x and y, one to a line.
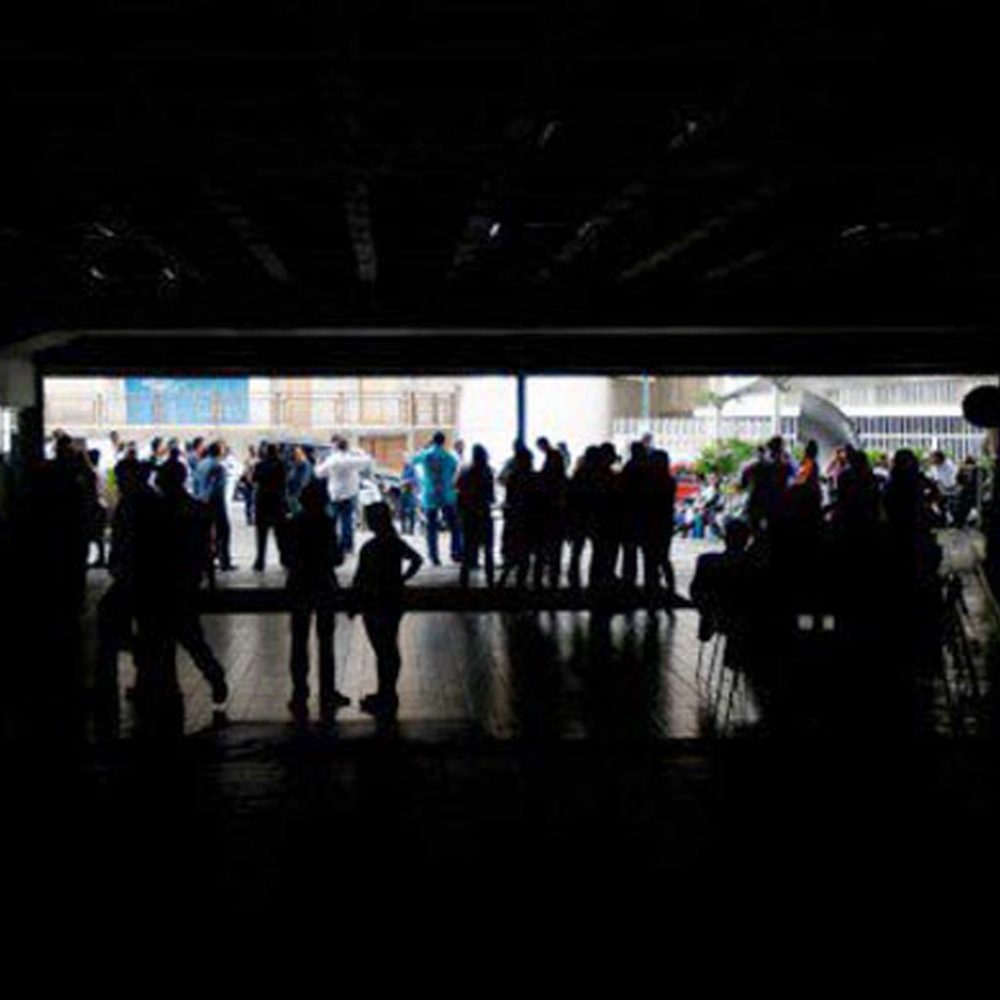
555	560
469	533
455	532
330	698
487	546
432	535
345	525
575	555
112	626
630	561
299	664
261	560
192	640
223	534
383	633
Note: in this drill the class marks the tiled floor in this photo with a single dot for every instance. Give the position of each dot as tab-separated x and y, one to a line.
528	675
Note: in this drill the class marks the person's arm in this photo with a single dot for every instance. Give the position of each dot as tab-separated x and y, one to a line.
322	471
414	559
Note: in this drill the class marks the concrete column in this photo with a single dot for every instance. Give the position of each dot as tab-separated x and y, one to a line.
522	407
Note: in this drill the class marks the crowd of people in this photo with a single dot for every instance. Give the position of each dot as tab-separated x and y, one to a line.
804	536
854	547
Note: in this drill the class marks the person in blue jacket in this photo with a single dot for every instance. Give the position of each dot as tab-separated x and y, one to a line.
439	468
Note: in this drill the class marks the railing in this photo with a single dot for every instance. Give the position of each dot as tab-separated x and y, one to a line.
275	410
684	437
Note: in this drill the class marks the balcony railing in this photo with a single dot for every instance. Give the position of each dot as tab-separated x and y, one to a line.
275	410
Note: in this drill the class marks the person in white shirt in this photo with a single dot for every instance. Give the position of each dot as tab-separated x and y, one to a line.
943	471
342	471
944	474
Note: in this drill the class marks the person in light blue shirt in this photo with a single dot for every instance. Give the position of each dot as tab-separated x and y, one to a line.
438	468
210	487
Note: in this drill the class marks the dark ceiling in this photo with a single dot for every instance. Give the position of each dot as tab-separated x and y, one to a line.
175	163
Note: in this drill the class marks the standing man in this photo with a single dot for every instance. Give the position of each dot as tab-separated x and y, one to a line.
440	467
342	470
268	484
211	483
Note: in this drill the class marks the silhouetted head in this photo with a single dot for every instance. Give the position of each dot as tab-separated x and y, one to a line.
737	535
459	447
858	461
114	438
313	497
637	451
340	444
438	439
607	454
937	458
64	447
904	465
170	478
215	450
776	447
543	445
812	450
127	478
379	518
523	459
94	457
480	456
271	452
155	445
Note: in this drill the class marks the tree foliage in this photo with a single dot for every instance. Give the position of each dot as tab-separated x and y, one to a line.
725	458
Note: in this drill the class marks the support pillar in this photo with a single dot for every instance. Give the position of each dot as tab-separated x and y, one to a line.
645	403
522	407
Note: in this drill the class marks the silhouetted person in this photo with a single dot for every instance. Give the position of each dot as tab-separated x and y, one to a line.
378	588
753	480
117	608
606	521
187	527
805	498
519	517
857	509
968	491
656	522
475	507
310	555
211	490
551	488
635	488
269	502
774	481
580	510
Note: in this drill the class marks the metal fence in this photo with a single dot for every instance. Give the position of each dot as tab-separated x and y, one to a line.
685	437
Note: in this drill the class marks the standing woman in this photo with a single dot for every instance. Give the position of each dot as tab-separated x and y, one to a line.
475	508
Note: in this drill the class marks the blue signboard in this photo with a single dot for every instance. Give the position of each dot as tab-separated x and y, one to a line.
187	400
